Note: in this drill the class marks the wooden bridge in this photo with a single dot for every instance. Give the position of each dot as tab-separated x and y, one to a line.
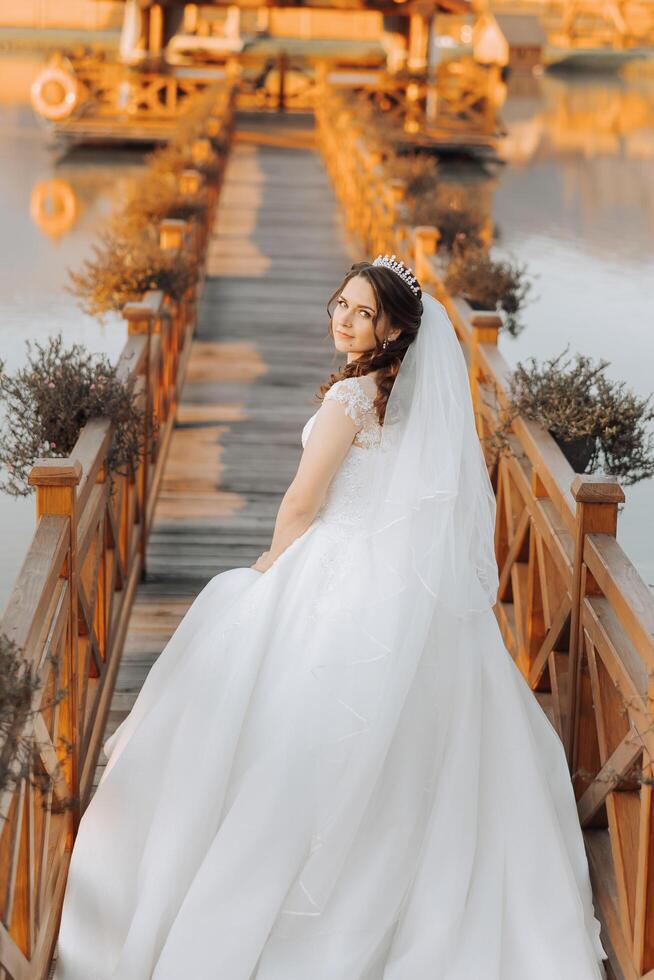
233	387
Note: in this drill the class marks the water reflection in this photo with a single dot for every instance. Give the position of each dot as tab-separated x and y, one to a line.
580	116
84	182
52	208
576	202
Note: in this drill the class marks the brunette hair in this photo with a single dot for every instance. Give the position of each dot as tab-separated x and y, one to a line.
403	309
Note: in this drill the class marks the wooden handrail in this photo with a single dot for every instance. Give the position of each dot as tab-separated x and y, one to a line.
70	604
574	612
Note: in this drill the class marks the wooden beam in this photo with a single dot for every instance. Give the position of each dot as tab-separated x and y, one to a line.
614	769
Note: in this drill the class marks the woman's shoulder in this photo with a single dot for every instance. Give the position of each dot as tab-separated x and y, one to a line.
355	394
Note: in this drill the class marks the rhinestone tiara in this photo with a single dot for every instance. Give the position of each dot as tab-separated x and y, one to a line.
402	270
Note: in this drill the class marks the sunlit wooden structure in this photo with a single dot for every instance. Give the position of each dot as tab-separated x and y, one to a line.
84	97
570	34
452	108
513	40
574	612
616	23
586	122
598	34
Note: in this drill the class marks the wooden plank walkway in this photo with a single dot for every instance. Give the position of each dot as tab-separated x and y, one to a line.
277	252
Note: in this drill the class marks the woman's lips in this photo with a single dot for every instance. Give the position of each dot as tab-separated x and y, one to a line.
341	334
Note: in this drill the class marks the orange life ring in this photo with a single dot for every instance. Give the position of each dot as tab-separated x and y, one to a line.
53	206
55	93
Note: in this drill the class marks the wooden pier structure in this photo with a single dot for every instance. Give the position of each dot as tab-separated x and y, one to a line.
234	387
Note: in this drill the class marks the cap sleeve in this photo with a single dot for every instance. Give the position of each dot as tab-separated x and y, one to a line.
350	394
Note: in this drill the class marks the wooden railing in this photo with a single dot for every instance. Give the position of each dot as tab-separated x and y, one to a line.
456	104
106	88
596	26
69	608
575	614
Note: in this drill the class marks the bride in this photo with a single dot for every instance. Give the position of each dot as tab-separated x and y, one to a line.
335	770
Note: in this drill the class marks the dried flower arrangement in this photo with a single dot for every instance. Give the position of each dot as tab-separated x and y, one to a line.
489	284
124	267
127	258
153	198
460	223
50	400
418	170
175	156
599	424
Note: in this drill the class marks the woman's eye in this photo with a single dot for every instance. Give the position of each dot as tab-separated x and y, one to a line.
342	301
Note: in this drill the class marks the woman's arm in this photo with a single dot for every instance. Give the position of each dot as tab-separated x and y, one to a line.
329	440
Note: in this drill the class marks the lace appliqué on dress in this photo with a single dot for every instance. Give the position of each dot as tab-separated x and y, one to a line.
350	393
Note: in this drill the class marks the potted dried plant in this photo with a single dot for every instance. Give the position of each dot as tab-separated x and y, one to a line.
599	424
489	284
175	157
152	199
419	171
461	225
48	402
124	267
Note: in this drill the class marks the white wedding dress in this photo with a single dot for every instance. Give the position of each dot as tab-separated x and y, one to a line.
452	850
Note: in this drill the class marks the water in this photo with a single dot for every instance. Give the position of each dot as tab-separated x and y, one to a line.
577	205
33	270
576	202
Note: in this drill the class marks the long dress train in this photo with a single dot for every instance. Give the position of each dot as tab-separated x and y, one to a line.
453	849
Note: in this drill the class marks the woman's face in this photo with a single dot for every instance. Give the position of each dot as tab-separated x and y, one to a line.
352	319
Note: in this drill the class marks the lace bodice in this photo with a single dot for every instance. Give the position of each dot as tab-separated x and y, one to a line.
347	493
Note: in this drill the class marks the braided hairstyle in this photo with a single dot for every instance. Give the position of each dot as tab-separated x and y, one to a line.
403	309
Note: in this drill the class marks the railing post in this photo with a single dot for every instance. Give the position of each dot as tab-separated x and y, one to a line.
597	499
395	198
56	482
171	238
535	625
485	328
171	233
140	320
419	25
201	150
282	67
320	75
426	244
397	187
190	181
213	128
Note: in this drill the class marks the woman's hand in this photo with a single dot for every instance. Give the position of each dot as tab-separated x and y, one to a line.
263	562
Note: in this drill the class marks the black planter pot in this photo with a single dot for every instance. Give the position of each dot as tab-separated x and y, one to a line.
477	306
578	451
